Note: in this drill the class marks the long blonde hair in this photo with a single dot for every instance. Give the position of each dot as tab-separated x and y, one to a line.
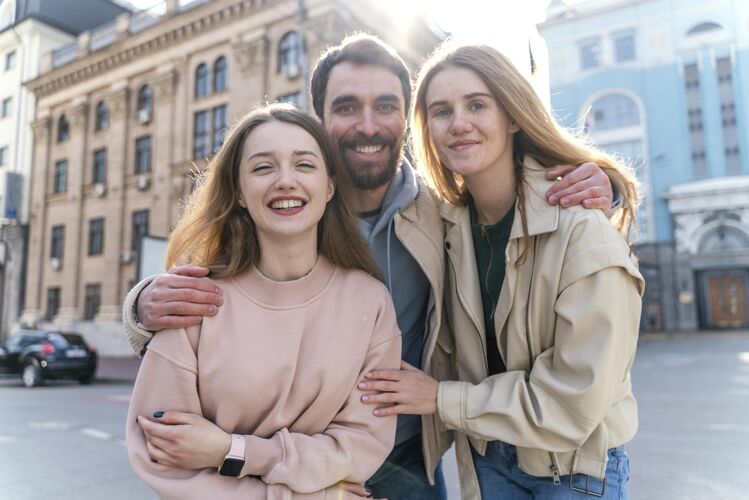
216	232
539	135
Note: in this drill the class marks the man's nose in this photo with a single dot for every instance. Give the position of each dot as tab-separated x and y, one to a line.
368	124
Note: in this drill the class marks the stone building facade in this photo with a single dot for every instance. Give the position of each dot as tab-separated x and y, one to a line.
121	128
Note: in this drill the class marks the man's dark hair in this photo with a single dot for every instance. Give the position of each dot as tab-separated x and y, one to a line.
357	49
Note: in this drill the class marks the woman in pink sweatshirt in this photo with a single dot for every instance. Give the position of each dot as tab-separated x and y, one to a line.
266	390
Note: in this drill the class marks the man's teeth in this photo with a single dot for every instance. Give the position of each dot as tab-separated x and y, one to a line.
286	204
369	150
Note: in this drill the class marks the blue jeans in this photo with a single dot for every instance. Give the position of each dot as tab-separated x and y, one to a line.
500	477
402	476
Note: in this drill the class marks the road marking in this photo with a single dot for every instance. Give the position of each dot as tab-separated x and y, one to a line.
6	439
95	433
50	425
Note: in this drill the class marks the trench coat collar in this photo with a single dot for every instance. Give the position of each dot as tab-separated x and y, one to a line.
541	217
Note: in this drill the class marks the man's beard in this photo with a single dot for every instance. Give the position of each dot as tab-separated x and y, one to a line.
367	175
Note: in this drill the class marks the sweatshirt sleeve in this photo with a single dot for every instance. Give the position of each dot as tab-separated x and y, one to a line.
571	386
355	443
136	335
171	361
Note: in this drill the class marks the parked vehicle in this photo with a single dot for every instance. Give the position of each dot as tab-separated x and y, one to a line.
38	355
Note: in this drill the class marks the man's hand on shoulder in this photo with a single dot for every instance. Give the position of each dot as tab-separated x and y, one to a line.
178	299
586	185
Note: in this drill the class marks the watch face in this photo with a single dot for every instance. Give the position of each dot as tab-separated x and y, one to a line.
231	467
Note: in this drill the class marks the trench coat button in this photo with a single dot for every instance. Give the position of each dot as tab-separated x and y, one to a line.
447	245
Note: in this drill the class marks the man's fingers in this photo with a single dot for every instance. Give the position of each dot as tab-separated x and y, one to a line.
189	282
406	366
168	322
393	375
355	488
378	385
391	410
574	188
385	397
182	309
190	270
559	171
577	198
602	202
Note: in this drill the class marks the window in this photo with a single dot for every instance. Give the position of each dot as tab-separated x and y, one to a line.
143	155
57	246
219	127
53	303
10	60
290	53
63	129
96	236
201	80
220	76
624	47
694	116
724	70
93	299
3	155
612	111
590	54
60	182
102	116
100	167
144	105
200	135
7	107
140	228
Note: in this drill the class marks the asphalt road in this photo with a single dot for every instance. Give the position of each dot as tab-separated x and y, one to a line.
65	441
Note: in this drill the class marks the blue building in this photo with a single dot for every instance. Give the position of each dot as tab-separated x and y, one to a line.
665	84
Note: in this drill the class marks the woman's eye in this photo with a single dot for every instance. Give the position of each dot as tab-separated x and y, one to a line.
260	168
305	164
478	105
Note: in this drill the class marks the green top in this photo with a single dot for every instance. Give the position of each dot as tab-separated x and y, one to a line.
489	243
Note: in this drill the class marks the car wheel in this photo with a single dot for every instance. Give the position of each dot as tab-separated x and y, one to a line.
86	379
32	375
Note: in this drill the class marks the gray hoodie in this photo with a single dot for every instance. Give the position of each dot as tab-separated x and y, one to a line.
404	278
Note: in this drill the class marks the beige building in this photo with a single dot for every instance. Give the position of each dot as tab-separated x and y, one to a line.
140	104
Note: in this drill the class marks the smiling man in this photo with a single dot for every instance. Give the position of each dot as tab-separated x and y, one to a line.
361	90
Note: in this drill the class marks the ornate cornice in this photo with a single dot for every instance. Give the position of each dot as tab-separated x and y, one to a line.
251	54
327	29
137	47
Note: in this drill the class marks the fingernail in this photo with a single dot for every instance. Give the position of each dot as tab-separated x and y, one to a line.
565	201
219	291
365	398
212	310
153	461
219	300
158	414
136	419
376	412
553	199
369	375
362	385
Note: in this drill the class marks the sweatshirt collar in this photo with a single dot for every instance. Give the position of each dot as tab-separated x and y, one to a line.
286	294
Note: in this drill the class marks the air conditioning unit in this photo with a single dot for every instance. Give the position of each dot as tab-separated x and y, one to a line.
142	182
144	116
292	71
55	263
127	256
99	189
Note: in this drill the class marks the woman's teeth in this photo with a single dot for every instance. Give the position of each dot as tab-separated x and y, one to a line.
286	204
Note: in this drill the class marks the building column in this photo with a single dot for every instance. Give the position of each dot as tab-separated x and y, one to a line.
111	300
164	86
70	303
34	306
251	57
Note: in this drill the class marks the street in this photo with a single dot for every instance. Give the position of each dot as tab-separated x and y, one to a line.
65	441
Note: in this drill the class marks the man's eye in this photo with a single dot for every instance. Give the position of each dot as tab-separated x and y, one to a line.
346	108
441	113
386	108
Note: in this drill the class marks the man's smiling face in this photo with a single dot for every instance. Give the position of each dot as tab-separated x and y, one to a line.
365	116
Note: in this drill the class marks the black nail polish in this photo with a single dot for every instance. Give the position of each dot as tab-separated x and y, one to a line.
158	414
136	419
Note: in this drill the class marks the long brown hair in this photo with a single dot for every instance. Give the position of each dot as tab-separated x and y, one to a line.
216	232
539	135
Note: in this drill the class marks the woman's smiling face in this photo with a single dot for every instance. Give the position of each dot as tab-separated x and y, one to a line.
471	132
284	181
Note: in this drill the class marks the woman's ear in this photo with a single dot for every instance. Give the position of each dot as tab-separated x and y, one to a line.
240	201
331	188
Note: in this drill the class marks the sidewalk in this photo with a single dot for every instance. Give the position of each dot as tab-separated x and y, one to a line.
120	369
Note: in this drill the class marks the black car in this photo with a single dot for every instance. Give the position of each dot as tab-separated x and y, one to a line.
37	355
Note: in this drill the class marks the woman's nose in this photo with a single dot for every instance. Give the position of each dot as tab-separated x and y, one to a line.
460	124
286	178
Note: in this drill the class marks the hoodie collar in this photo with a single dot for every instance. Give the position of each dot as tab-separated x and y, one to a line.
541	217
401	193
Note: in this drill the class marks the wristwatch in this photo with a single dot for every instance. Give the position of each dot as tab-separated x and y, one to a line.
234	460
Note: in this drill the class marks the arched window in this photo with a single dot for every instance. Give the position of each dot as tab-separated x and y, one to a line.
220	76
724	238
102	116
201	80
144	105
290	53
612	111
63	129
704	28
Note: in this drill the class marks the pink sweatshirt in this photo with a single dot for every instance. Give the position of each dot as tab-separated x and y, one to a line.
279	364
